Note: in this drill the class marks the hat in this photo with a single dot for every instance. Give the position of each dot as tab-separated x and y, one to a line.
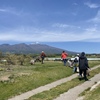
77	54
42	51
83	53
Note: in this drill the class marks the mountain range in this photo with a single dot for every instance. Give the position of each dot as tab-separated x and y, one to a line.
23	48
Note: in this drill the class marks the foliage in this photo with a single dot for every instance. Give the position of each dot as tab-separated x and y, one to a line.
26	77
55	92
93	95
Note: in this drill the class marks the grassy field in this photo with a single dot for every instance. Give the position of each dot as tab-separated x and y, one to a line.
55	92
93	95
20	79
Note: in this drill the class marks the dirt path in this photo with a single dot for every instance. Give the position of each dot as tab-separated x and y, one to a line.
28	94
73	93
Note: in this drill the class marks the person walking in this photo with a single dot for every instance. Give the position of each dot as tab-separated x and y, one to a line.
83	65
64	57
43	55
77	56
75	63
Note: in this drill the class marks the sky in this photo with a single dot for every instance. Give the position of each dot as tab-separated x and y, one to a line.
73	25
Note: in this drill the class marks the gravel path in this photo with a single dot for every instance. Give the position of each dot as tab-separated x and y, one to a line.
28	94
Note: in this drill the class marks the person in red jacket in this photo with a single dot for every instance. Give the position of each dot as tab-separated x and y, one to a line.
43	55
64	57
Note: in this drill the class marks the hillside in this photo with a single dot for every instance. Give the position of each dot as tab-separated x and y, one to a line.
31	48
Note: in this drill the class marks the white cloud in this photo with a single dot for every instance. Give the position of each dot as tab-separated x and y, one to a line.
74	13
3	10
96	19
92	5
91	30
11	10
64	25
4	37
31	35
61	25
75	4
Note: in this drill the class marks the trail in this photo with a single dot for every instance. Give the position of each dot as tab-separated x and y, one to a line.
73	93
28	94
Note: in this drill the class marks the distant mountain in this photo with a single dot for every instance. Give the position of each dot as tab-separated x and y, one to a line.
31	48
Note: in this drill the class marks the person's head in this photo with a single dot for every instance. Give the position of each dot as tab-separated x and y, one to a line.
83	54
42	51
77	54
63	51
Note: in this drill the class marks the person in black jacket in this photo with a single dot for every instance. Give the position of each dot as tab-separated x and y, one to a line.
83	65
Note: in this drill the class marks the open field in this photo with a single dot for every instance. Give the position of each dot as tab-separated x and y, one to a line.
20	79
59	90
92	95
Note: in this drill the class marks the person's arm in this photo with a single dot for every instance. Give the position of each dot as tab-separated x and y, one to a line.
72	62
61	56
66	54
44	55
41	55
87	65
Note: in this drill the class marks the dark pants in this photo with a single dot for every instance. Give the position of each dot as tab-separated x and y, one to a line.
42	59
84	73
64	61
74	69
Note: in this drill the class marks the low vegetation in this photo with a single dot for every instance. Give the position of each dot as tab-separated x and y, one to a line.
16	79
55	92
93	95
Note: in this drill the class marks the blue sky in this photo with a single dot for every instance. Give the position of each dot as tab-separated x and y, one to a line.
73	25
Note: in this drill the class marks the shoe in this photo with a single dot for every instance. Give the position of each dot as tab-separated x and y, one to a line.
88	74
86	79
80	76
80	79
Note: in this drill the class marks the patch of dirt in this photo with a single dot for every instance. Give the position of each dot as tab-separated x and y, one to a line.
23	74
5	78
